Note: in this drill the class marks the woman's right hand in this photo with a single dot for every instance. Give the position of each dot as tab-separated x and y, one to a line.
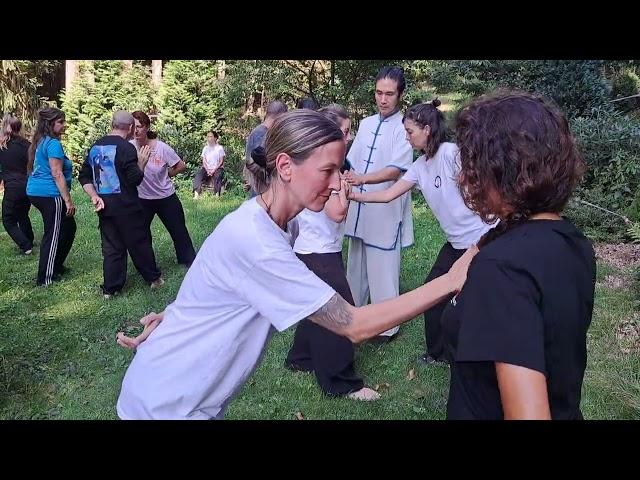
150	323
143	154
458	271
71	208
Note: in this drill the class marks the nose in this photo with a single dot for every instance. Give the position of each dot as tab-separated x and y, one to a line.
335	180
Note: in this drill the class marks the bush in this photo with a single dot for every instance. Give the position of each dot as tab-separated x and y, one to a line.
610	145
102	87
626	83
577	86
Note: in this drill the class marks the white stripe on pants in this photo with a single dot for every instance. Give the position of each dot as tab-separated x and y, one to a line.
374	273
53	250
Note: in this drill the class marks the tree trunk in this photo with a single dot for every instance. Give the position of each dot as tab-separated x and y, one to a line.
156	72
70	73
221	69
128	63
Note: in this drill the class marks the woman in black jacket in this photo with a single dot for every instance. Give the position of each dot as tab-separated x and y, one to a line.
15	203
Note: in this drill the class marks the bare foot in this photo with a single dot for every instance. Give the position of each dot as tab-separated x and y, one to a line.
365	394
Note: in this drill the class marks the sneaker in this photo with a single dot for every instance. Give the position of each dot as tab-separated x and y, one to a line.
195	195
157	283
27	252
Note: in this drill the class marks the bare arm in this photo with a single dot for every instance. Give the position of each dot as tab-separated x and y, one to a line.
523	393
58	176
97	201
177	168
360	323
384	175
150	323
383	196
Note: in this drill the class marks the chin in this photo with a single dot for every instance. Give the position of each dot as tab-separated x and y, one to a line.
318	204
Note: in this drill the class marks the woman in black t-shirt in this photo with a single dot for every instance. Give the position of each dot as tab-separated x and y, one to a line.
15	204
516	333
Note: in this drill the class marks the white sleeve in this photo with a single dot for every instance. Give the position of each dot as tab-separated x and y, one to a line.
411	175
223	152
283	289
170	157
204	149
401	151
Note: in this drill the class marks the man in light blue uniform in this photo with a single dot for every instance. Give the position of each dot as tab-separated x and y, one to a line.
380	155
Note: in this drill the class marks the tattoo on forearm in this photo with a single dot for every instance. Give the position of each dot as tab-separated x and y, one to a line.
335	314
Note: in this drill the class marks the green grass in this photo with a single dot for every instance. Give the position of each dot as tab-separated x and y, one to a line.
59	359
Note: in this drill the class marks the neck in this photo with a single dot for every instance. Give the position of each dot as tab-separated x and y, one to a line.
142	141
268	122
393	112
545	216
119	133
278	206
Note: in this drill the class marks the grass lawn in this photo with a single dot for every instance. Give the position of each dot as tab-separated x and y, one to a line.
59	359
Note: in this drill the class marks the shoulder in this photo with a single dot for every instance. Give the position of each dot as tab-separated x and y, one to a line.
420	163
160	145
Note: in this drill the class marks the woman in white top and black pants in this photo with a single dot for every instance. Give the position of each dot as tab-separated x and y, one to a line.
436	174
246	282
319	246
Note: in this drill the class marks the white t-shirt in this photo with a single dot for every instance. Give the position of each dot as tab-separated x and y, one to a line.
318	233
244	281
437	178
212	155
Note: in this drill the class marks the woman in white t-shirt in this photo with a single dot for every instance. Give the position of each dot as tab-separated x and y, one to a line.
435	173
246	281
212	166
319	245
157	193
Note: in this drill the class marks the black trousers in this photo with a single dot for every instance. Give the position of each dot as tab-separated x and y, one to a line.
432	327
171	214
202	177
121	234
15	215
328	355
57	239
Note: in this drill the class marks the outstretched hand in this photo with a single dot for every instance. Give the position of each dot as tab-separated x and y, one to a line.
458	271
150	323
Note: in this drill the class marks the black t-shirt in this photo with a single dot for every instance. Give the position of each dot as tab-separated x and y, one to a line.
112	167
13	163
527	301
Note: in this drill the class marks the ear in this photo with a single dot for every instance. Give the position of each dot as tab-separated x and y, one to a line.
283	165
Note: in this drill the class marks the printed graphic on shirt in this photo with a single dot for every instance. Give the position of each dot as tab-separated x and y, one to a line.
155	158
105	178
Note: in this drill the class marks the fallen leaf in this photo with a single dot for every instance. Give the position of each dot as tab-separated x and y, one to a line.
411	375
380	386
299	416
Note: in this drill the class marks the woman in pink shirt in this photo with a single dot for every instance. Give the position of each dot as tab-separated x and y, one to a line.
157	193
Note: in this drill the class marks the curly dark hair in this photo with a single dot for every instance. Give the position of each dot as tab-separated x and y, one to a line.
518	157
